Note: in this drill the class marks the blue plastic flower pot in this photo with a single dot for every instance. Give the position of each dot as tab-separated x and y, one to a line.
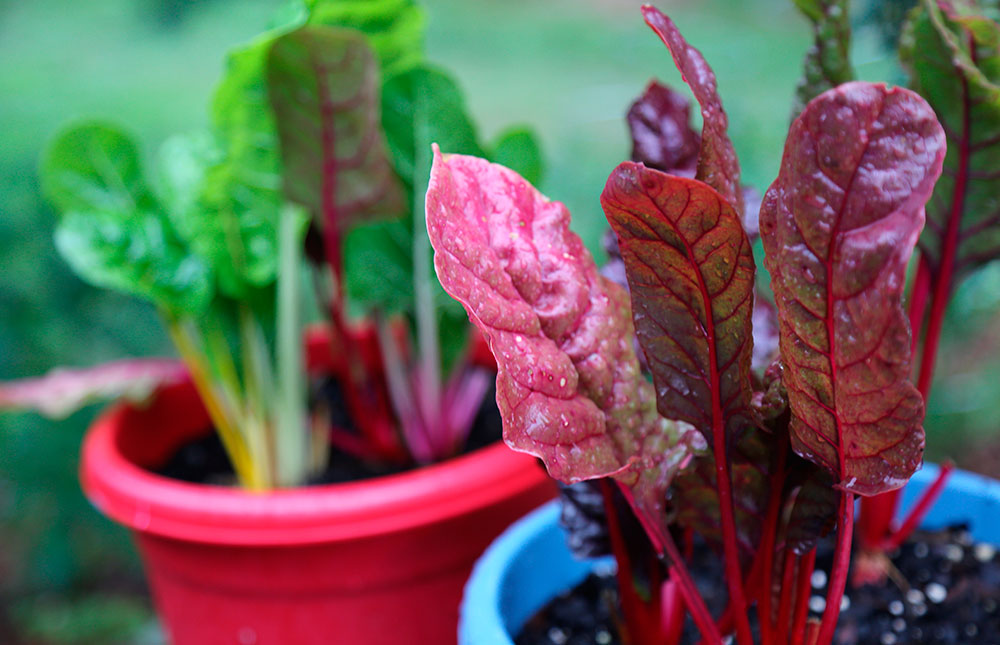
530	564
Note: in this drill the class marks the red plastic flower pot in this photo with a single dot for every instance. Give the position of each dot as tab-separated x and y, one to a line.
371	562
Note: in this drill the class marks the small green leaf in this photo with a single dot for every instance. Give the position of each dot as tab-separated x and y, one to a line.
229	223
240	197
517	148
94	166
420	106
112	230
378	265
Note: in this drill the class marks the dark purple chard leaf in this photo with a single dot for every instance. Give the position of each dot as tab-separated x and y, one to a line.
569	387
770	401
765	334
64	391
695	499
811	508
659	123
718	165
691	275
323	85
839	225
828	61
954	63
582	516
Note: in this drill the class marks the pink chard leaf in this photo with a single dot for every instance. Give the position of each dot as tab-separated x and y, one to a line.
718	165
691	274
64	391
569	387
839	225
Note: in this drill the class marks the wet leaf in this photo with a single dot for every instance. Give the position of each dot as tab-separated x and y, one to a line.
691	274
569	387
839	225
718	165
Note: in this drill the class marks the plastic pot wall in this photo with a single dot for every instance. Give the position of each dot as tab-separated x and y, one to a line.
529	564
375	562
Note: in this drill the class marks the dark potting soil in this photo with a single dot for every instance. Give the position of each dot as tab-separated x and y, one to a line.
945	591
204	461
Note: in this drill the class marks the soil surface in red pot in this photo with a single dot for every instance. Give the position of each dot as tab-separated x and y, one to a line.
204	461
945	590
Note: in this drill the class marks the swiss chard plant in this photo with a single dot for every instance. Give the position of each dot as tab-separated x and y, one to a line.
760	458
316	150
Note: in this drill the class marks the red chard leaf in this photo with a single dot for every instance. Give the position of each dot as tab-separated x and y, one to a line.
691	274
659	122
718	165
839	225
569	387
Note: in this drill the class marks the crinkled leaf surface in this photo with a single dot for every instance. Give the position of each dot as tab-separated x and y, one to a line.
954	63
241	192
691	275
63	391
828	61
569	386
718	165
839	225
234	233
659	123
323	84
112	230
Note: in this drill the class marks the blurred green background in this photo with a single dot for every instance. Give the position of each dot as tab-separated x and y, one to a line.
568	68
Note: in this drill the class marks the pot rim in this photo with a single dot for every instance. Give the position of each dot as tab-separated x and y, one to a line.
157	505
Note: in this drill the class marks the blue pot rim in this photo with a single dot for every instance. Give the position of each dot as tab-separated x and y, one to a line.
482	621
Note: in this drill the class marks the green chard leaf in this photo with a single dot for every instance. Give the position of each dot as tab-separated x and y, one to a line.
517	148
240	197
420	106
112	230
395	28
953	57
828	61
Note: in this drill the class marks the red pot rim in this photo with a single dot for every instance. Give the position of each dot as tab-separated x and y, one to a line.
151	503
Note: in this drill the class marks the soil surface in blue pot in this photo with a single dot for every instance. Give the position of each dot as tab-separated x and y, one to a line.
944	588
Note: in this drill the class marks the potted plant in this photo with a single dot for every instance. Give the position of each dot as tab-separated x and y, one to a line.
315	153
758	465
